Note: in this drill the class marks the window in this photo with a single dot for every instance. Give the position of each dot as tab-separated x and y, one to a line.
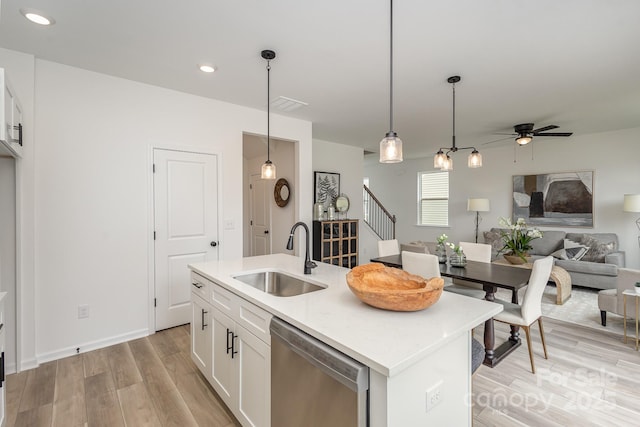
433	198
365	199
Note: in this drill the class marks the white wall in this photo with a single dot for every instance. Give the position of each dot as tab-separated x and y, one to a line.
93	225
612	155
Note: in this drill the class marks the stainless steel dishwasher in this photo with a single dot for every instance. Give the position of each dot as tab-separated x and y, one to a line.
313	384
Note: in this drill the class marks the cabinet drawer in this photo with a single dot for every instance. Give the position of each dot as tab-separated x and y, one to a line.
200	286
225	301
255	320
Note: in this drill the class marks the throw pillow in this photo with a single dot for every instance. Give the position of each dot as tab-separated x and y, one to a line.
597	249
494	239
571	251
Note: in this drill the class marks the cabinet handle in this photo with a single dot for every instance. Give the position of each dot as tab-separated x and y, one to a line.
197	285
229	347
204	325
233	344
1	369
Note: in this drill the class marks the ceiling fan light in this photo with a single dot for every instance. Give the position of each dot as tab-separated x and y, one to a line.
439	159
391	149
268	170
475	159
524	139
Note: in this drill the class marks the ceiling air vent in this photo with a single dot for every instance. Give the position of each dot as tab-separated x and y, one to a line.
283	103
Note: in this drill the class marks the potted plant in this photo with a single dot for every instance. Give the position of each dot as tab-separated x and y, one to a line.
441	250
457	258
517	240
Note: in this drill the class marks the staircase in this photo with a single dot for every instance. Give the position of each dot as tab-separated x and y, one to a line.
377	217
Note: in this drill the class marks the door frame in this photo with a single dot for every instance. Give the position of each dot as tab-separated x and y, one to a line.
151	280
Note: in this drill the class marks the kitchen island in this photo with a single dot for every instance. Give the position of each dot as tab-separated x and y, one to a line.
408	353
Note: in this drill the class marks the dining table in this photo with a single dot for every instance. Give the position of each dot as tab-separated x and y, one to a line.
491	276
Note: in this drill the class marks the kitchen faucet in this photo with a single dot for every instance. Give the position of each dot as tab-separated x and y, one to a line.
308	264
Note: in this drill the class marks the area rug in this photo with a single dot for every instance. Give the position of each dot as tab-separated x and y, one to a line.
581	309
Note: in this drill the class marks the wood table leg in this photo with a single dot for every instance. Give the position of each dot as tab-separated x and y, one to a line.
489	334
515	334
493	355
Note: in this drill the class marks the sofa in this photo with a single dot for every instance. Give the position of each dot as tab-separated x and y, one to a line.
591	259
612	300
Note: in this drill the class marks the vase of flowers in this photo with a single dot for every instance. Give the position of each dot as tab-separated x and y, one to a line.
457	257
517	240
441	250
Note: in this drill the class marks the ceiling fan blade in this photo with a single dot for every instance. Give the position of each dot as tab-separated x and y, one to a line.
554	134
542	129
504	133
497	140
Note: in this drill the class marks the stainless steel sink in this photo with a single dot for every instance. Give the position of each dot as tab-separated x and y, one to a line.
278	284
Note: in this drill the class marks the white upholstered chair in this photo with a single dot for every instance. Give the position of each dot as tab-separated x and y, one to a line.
525	314
424	265
612	300
479	252
388	247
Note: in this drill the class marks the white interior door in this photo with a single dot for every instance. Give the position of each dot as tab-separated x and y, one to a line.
185	193
260	216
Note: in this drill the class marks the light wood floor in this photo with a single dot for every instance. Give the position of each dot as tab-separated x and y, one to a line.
146	382
591	378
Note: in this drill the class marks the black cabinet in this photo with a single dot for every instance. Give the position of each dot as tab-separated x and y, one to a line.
336	242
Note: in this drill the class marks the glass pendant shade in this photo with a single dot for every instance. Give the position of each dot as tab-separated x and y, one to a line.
523	140
475	159
268	170
448	164
439	159
391	149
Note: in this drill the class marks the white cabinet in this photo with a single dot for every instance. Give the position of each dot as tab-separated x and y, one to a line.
201	334
11	116
240	360
3	384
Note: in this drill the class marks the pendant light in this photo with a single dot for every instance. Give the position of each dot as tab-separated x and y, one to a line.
444	161
391	145
268	168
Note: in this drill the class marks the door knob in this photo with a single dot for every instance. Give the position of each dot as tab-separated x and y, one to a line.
214	244
266	231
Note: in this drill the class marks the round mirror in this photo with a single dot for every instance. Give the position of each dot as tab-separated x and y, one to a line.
281	192
342	204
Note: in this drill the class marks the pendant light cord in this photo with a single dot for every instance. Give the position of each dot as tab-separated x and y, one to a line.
391	68
268	106
453	131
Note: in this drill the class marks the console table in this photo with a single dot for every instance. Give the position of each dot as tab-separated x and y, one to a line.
559	276
634	294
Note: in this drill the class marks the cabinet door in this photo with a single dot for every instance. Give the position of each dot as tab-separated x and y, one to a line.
222	367
201	335
254	380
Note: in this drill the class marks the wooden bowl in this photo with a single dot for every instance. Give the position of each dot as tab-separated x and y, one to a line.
393	289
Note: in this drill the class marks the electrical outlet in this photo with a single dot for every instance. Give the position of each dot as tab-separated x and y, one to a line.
83	311
434	395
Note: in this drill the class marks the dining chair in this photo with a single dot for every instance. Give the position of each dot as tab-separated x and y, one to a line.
425	265
388	247
479	252
525	314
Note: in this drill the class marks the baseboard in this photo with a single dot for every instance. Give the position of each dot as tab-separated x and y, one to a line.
27	364
89	346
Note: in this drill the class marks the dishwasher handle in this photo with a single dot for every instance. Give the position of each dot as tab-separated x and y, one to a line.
334	363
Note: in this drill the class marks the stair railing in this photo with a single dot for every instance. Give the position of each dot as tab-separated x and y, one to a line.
377	217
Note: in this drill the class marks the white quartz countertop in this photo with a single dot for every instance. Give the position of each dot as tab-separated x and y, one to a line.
386	341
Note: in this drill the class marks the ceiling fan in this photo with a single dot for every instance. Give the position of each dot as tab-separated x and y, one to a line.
525	132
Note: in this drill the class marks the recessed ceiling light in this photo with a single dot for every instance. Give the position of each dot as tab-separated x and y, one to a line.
207	68
37	17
